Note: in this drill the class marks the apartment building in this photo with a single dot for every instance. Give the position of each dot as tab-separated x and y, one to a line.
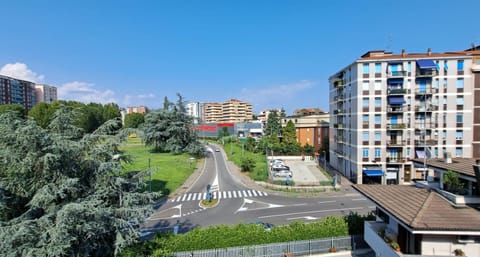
229	111
45	93
194	109
16	91
136	109
391	108
310	129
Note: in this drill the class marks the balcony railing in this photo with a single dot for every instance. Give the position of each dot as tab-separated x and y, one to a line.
396	91
338	83
396	143
426	73
339	126
420	108
427	142
419	125
395	159
396	74
372	237
339	98
339	139
339	112
396	126
398	109
426	91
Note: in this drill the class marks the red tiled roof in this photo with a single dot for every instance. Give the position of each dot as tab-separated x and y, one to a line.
421	209
459	165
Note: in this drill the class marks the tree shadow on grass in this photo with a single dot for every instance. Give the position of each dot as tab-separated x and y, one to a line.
159	186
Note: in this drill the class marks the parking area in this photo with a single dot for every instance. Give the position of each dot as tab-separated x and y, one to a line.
304	173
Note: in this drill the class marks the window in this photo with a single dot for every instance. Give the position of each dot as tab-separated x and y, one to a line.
460	65
409	67
459	100
365	136
459	135
445	65
444	135
365	102
365	119
378	85
459	152
377	153
445	83
366	68
377	119
365	86
365	152
408	152
459	83
378	136
378	68
435	152
378	102
444	99
459	118
436	83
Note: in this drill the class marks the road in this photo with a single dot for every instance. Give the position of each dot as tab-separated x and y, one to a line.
237	203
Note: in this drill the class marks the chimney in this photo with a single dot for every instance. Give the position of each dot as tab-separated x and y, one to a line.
403	53
429	51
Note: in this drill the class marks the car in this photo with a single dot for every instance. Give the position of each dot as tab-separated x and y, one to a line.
217	150
282	173
280	167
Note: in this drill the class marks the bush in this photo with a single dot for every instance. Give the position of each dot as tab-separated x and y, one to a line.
248	164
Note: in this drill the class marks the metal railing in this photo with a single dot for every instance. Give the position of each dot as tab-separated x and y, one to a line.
296	248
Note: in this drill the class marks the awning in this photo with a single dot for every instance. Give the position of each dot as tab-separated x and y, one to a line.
373	173
395	81
420	154
394	62
426	64
396	100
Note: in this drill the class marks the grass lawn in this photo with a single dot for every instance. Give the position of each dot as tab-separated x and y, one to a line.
169	171
236	154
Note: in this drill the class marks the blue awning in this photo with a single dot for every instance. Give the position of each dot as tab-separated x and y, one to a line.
396	81
394	62
396	100
373	173
426	64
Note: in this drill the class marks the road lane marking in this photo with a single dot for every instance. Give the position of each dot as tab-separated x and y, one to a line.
307	212
327	202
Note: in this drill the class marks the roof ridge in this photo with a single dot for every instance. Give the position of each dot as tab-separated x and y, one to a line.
425	203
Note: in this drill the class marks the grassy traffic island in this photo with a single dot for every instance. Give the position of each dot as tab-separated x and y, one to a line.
209	204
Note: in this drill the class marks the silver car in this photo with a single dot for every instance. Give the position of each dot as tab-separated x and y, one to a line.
282	173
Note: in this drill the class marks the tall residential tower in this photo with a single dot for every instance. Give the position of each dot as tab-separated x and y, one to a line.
391	108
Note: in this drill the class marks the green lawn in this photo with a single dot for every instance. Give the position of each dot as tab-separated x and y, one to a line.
169	171
235	154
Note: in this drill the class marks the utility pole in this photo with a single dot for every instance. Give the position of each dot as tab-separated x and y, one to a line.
150	170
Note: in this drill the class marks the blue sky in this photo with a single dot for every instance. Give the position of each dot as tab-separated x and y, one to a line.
274	54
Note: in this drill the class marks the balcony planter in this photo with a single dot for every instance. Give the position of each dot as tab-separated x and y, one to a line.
333	250
395	246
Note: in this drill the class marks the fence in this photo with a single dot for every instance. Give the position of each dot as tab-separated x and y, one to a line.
297	248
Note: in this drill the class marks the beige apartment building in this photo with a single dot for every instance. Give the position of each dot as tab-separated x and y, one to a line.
45	93
389	109
229	111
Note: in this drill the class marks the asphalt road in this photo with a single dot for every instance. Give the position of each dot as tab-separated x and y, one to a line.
239	203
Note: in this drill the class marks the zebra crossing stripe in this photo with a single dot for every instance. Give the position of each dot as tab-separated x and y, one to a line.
224	194
189	196
234	194
229	194
219	195
184	197
254	192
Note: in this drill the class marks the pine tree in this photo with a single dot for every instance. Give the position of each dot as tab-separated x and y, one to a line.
62	193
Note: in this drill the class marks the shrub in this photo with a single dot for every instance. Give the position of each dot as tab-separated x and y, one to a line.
248	164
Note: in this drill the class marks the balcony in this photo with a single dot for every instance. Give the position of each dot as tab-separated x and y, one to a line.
373	229
426	142
422	108
396	91
421	125
395	143
425	73
395	159
339	153
339	98
426	91
396	74
339	112
395	126
339	126
339	83
398	109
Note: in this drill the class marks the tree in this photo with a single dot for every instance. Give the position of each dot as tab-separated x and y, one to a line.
247	164
134	120
16	108
42	112
223	133
452	181
289	134
171	131
65	195
111	111
273	126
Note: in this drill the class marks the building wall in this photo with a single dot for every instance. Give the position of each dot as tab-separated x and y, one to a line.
354	95
45	93
446	244
136	109
15	91
229	111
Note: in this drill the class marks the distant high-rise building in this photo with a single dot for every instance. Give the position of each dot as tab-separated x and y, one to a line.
387	109
45	93
229	111
16	91
137	109
193	109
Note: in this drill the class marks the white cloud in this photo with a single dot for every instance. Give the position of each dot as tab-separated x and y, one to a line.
277	96
21	71
131	100
85	92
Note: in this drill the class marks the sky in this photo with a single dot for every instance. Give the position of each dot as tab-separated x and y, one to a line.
273	54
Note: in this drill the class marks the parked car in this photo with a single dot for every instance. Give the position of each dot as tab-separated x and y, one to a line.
276	161
282	173
280	167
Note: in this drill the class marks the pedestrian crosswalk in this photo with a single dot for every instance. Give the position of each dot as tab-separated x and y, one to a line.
219	195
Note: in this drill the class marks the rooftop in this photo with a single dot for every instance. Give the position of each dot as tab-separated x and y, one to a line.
459	165
421	209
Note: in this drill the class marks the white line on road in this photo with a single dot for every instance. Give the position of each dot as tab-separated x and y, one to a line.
301	213
363	199
234	194
327	202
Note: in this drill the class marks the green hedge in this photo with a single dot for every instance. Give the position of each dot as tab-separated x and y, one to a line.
223	236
